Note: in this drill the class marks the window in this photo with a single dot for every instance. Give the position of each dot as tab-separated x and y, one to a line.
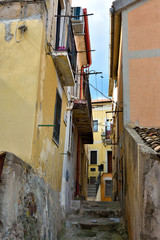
95	125
93	169
93	157
57	118
58	25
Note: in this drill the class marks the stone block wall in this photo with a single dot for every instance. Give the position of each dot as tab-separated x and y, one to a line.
141	189
29	208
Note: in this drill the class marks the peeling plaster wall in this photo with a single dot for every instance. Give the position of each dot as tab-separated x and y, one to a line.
29	208
28	87
142	192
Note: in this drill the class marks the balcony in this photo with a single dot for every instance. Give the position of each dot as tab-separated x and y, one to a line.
82	116
108	132
65	59
107	135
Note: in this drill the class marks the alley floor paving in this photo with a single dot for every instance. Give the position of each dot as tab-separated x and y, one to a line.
96	220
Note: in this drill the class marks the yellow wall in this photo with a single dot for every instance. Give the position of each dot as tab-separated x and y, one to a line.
100	115
27	98
19	69
47	156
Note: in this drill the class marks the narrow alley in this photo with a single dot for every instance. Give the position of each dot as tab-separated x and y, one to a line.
80	120
95	220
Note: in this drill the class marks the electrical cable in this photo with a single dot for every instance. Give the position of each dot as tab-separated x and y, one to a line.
50	53
104	95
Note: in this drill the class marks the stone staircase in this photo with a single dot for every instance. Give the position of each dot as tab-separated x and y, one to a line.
91	192
95	220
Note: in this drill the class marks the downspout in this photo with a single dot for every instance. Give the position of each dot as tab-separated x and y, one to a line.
110	90
89	60
111	41
78	161
88	48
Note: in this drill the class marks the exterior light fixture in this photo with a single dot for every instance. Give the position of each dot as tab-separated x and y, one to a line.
103	137
106	141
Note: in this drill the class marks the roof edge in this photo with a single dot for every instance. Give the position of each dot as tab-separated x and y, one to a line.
105	100
120	5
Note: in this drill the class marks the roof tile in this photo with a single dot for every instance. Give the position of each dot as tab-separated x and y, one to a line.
151	136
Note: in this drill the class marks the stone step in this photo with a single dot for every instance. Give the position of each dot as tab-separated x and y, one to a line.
91	190
95	220
91	196
103	224
91	186
100	209
78	227
91	193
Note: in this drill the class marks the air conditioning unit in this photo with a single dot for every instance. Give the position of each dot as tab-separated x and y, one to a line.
77	21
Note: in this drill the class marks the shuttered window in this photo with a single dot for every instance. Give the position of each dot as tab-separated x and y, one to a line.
57	118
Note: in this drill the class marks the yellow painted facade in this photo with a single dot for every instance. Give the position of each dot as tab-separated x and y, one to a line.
19	72
28	93
99	109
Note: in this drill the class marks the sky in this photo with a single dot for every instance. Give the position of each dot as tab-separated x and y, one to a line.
99	28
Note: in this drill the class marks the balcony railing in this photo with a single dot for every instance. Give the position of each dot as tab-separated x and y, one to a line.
87	94
82	114
108	131
69	47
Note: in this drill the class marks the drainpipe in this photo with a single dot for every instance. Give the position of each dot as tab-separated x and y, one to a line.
89	60
88	48
78	161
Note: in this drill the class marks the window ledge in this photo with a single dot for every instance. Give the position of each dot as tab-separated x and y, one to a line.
54	140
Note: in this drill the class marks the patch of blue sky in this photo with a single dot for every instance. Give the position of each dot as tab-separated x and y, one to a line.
99	28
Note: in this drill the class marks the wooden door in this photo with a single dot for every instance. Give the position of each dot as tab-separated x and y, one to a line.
109	162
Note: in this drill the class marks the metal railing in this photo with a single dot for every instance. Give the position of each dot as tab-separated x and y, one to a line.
98	182
108	130
69	46
87	94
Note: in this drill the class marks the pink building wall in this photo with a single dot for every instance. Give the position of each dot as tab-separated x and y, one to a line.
143	63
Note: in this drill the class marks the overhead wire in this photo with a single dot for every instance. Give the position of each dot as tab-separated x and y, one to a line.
51	49
104	95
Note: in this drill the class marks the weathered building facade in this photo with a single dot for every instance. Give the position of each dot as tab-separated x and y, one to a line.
39	77
134	86
100	152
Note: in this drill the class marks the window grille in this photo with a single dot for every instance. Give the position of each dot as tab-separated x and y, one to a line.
57	118
108	188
